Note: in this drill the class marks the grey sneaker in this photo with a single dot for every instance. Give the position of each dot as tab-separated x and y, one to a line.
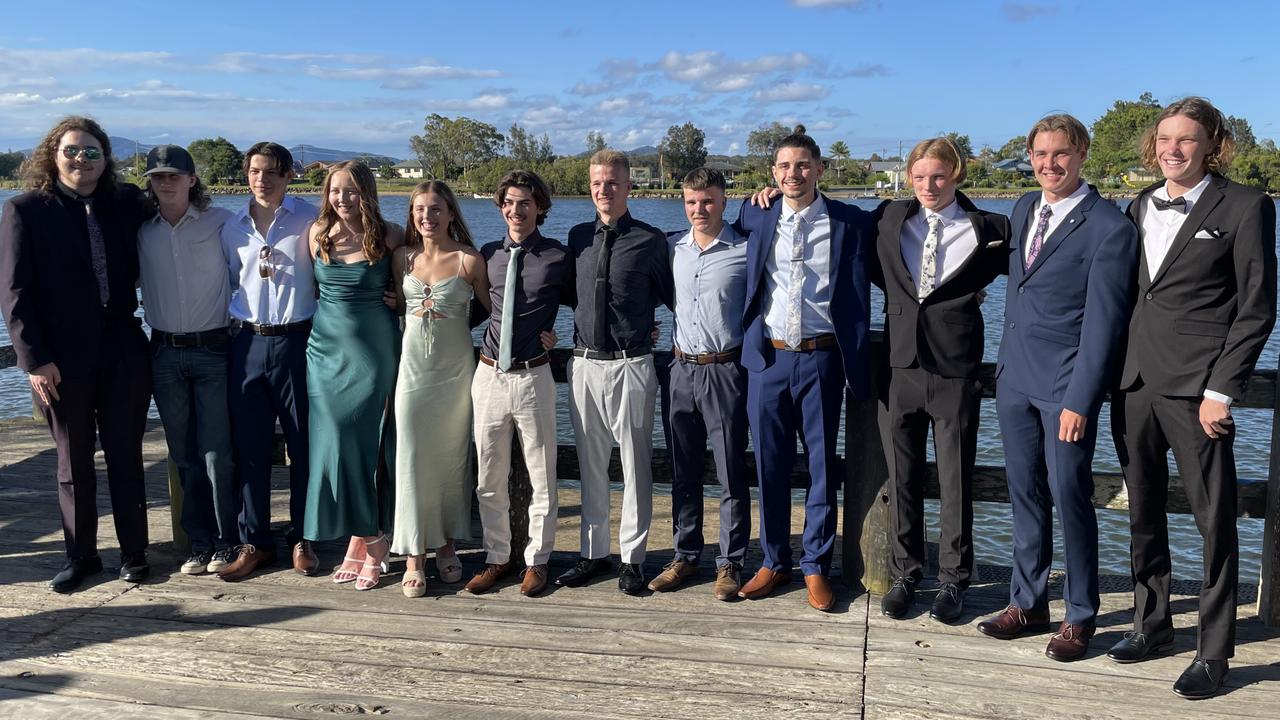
197	564
221	558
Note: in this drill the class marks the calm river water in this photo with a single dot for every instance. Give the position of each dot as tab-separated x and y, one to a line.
992	539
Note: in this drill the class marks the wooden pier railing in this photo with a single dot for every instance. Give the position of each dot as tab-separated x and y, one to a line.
866	500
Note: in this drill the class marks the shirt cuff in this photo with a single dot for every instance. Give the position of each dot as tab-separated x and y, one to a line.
1212	395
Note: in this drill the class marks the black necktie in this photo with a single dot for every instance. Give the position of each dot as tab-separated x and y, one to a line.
1180	203
602	291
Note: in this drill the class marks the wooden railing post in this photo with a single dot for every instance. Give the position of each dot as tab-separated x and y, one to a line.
866	547
1269	578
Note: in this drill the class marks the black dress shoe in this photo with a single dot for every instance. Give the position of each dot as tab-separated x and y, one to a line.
584	570
134	567
948	604
1137	646
897	601
1202	679
74	573
631	579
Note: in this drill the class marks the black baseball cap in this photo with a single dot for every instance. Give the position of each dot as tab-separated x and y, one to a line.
170	159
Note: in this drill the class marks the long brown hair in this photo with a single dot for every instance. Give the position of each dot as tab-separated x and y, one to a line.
458	229
41	170
1217	160
375	228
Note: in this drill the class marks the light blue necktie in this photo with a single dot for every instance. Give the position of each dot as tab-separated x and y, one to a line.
509	307
795	285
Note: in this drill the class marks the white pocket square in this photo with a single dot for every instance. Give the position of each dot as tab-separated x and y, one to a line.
994	244
1207	235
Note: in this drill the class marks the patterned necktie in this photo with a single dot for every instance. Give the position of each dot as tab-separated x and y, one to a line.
601	329
97	252
508	320
795	285
1037	240
929	256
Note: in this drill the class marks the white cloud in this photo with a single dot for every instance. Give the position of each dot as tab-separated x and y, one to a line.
487	101
790	92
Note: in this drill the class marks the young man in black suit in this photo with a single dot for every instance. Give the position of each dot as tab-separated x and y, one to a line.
1205	307
937	253
68	272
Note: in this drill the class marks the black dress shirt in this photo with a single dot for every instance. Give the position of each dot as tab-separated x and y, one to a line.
638	280
546	283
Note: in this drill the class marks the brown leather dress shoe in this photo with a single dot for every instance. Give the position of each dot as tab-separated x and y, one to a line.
305	561
820	595
763	583
673	575
1071	642
1014	621
535	580
727	583
485	579
248	559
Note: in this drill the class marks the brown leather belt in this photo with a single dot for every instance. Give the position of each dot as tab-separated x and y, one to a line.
714	358
539	361
817	342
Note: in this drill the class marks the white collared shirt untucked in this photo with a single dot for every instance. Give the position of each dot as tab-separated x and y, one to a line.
815	317
289	294
1060	209
959	241
183	271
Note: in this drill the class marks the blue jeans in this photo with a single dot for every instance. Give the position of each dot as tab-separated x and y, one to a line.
190	387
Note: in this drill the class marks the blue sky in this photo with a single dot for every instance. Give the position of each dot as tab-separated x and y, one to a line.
363	75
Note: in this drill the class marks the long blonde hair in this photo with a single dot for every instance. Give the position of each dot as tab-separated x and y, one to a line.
375	228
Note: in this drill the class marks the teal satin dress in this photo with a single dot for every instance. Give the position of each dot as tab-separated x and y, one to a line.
351	371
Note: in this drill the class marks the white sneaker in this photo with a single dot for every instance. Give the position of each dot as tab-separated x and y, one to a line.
220	559
197	564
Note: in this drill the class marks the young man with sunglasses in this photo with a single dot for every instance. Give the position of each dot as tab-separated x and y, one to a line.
273	296
68	268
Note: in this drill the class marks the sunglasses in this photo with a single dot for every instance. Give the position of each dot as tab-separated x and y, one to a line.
264	262
89	153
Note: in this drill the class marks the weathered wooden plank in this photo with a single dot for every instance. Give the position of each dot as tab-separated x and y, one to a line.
41	705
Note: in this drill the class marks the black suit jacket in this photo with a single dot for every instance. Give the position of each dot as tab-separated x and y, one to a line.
944	334
48	291
1203	319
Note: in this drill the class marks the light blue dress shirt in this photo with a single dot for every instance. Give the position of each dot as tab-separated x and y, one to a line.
289	295
711	292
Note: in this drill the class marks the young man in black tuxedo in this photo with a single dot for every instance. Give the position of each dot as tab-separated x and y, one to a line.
937	253
1205	307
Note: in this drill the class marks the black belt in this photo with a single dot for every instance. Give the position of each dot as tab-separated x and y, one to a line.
709	358
203	338
610	354
272	330
814	343
539	361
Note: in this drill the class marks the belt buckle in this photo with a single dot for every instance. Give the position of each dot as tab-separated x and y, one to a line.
182	340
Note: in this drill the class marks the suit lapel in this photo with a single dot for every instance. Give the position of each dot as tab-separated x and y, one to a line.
1069	224
835	218
891	247
1209	199
1018	226
975	218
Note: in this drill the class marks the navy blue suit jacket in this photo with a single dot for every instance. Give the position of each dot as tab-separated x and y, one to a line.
1066	316
852	248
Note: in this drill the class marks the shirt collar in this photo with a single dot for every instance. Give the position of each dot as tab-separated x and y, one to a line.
529	243
949	214
191	214
1191	196
809	214
68	192
1068	201
726	236
286	205
620	227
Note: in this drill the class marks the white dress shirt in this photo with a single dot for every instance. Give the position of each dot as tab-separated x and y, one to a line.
815	312
183	271
1159	228
289	295
958	242
1060	211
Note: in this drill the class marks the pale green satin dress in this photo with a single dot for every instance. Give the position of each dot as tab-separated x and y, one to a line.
434	456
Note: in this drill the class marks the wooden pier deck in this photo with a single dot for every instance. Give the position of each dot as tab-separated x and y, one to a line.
281	645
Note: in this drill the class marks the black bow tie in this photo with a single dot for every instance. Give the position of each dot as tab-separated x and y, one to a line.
1180	203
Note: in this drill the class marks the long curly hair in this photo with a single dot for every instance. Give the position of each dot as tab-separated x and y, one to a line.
375	227
458	229
40	171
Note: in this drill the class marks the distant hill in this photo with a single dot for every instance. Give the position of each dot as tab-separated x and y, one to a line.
306	154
